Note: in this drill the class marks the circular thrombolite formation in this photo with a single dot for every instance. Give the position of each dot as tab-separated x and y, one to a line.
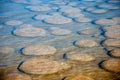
82	19
116	20
27	30
16	76
1	26
75	15
27	2
13	22
106	22
38	8
116	52
113	31
112	42
78	56
78	77
108	6
112	65
99	11
95	10
69	9
6	49
39	50
57	19
58	31
42	66
113	1
90	31
86	43
41	16
90	9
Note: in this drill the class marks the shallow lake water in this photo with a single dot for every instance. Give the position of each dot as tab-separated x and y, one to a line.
62	23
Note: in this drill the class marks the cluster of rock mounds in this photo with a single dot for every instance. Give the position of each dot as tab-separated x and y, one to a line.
112	34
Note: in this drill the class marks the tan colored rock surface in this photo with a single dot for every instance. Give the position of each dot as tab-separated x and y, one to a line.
42	66
13	22
116	52
27	30
113	32
39	8
86	43
6	49
59	31
106	22
112	65
16	76
78	56
39	50
83	19
112	42
55	19
78	77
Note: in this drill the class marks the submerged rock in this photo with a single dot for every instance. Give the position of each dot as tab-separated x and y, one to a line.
16	76
78	77
57	19
116	52
6	49
1	26
112	65
39	50
95	10
58	31
113	32
108	6
90	31
78	56
74	15
13	22
82	19
69	9
99	11
41	16
39	8
106	22
112	42
116	20
27	30
42	66
86	43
